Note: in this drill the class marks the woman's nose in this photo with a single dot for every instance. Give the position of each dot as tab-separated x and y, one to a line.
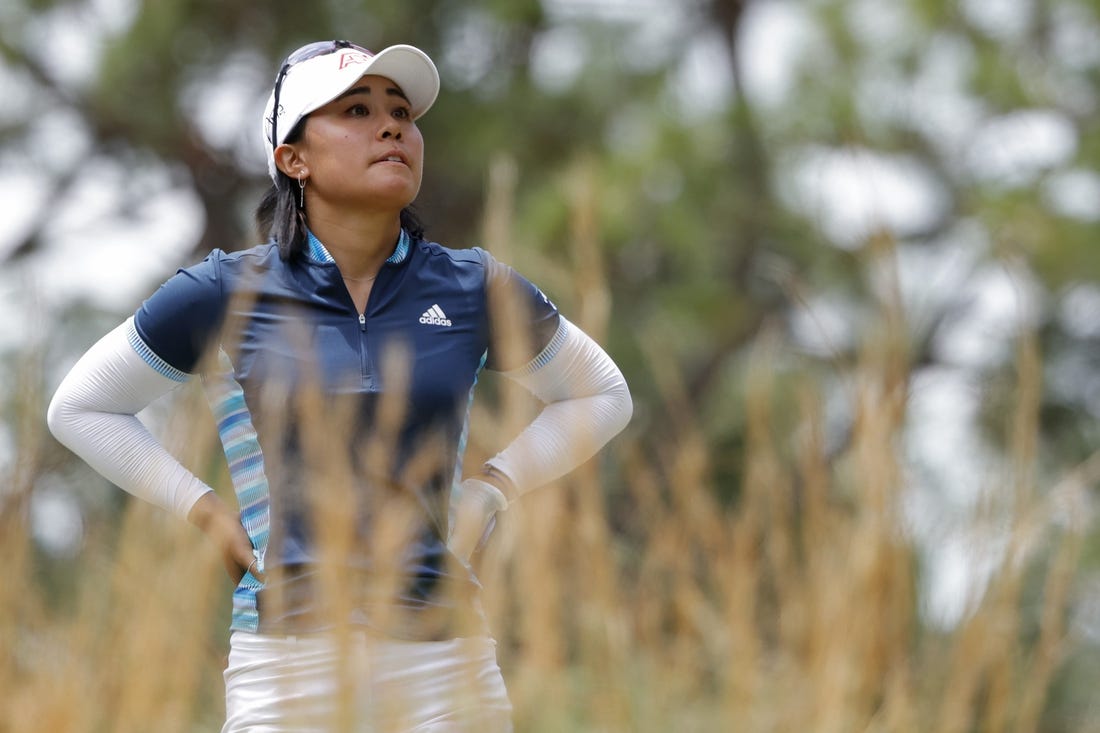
391	130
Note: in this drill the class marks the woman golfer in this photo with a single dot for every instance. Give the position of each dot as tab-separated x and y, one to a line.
339	359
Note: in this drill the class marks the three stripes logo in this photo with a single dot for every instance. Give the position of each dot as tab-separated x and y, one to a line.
435	316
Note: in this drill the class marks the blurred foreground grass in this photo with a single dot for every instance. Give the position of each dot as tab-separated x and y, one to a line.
628	596
792	609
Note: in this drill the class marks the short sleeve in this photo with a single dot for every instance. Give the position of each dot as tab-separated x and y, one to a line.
523	322
178	322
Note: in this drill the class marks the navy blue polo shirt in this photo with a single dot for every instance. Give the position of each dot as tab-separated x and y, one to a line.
329	414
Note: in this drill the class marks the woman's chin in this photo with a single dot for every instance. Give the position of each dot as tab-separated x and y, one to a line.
396	194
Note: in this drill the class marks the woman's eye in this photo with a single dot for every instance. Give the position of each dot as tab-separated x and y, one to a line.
358	110
402	113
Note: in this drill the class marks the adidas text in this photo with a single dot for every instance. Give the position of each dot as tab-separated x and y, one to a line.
435	316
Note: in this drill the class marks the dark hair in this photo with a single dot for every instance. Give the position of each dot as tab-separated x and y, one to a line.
279	218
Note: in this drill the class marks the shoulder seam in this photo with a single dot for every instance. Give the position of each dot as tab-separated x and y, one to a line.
468	254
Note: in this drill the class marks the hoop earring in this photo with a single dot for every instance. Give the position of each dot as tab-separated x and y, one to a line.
301	192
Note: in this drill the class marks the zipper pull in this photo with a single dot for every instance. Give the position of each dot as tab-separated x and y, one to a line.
362	321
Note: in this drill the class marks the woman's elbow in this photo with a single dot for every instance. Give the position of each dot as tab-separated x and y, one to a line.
55	416
624	408
63	415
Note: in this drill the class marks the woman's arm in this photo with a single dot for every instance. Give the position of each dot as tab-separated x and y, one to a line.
587	404
93	413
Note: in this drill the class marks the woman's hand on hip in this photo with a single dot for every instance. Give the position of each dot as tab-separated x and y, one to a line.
222	525
472	513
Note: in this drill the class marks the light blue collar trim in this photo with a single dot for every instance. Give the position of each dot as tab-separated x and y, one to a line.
318	252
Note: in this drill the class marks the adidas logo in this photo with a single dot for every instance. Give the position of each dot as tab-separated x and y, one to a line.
435	316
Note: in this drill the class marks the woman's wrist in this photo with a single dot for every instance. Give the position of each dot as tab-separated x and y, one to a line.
222	526
496	478
206	510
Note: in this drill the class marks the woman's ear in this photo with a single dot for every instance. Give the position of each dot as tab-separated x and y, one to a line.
289	160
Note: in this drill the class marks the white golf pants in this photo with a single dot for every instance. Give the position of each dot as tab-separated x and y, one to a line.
363	684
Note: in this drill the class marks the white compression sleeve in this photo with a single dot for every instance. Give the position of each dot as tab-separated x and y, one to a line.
93	414
587	404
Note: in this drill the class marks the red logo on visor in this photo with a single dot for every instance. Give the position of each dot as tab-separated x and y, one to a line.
354	57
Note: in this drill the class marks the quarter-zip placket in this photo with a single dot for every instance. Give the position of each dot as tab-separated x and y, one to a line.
364	371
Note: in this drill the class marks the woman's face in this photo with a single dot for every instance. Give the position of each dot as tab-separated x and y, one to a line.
362	149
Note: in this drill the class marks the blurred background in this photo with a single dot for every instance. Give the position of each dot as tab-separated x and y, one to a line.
843	249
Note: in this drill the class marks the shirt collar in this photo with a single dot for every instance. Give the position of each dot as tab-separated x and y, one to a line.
318	252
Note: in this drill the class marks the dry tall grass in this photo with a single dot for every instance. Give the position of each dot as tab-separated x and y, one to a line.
792	610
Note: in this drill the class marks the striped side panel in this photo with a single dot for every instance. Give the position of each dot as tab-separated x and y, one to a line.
246	467
456	480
